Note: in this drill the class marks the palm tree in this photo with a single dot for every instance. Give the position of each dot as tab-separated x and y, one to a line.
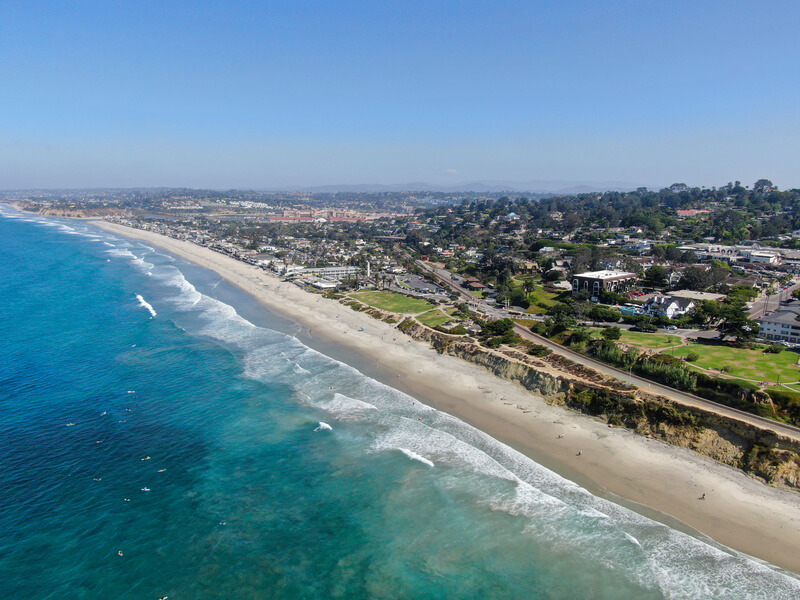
528	285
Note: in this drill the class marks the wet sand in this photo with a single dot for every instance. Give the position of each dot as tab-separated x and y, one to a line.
738	511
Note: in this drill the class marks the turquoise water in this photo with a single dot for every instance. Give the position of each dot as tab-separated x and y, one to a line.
141	414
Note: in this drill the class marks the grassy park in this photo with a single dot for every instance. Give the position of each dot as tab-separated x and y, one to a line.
434	318
651	341
741	362
392	302
540	300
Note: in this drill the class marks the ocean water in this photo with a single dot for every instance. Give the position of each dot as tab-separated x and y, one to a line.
155	442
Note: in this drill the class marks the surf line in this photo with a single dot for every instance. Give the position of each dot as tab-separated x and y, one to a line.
145	304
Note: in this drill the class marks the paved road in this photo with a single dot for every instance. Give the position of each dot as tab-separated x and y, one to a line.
643	384
764	305
661	390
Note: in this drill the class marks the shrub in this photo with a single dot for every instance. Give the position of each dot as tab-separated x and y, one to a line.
457	330
500	327
538	350
773	349
677	376
601	313
692	356
615	420
579	336
492	342
784	396
539	328
609	352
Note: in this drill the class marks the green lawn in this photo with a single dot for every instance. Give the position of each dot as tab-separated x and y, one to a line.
393	302
748	364
540	296
652	341
434	318
526	322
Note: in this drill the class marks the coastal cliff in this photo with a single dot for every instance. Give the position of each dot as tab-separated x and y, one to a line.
760	452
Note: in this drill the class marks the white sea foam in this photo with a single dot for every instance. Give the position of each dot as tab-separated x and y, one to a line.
300	370
632	539
557	512
323	427
189	296
345	408
418	457
121	252
143	264
527	501
145	304
593	513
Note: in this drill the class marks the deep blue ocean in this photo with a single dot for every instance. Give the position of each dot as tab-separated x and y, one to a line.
161	435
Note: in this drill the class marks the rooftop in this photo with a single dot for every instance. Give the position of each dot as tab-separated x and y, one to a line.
784	316
696	295
605	274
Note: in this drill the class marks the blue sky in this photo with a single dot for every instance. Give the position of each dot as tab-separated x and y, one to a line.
227	94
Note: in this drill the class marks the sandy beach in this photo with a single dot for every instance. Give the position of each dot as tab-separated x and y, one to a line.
737	511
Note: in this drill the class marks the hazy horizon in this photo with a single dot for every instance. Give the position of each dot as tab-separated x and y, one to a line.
291	95
486	186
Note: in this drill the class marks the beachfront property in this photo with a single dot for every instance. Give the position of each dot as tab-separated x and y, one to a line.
328	272
782	325
594	282
322	284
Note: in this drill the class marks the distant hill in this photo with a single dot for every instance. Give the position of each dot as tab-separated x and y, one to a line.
535	187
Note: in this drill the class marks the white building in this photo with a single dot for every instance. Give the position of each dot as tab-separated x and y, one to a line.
668	306
781	325
760	256
331	272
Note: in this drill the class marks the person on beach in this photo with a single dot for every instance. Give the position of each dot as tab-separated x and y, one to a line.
703	497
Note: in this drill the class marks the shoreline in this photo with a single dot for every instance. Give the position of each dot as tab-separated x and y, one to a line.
661	481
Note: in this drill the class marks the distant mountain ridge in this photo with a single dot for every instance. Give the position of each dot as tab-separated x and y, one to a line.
534	187
481	187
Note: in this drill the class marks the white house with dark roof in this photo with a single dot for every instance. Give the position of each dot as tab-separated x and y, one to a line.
668	306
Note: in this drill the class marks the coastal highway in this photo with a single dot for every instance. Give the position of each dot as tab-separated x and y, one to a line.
644	384
652	387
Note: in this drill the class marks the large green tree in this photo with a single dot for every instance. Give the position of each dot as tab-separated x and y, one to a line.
735	322
655	275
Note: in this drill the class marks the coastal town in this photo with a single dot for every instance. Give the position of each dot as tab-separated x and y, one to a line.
692	289
390	300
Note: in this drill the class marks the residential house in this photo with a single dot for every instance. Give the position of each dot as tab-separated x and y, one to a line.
668	306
